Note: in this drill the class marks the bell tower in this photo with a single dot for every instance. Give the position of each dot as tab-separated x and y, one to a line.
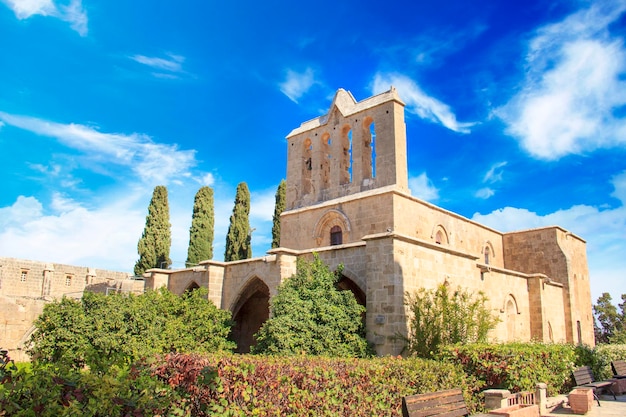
355	147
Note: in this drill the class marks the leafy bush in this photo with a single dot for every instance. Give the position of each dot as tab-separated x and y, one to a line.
100	331
51	391
599	358
516	366
440	318
311	316
305	386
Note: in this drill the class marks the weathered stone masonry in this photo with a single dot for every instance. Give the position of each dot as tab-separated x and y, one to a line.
348	200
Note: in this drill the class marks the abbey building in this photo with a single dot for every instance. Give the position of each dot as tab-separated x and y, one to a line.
348	200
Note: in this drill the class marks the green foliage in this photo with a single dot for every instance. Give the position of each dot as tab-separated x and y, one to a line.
440	318
311	316
155	242
612	327
278	209
599	358
239	237
7	366
202	228
50	391
516	366
100	331
248	385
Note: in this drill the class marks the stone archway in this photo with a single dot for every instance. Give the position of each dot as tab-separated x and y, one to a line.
192	286
250	311
348	284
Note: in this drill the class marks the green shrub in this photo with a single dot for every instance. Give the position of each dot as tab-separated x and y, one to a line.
516	366
305	386
599	358
99	331
440	317
51	391
311	316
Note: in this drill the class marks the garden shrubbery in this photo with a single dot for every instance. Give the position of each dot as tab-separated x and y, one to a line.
516	366
304	385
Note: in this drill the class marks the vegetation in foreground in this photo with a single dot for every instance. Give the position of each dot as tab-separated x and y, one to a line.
311	316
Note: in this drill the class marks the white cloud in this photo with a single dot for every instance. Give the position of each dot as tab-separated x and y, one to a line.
24	9
603	229
23	209
151	162
73	13
484	193
495	173
575	81
422	187
207	179
297	84
171	64
418	102
103	238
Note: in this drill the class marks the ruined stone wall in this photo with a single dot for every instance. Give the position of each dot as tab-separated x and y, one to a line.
363	214
429	223
26	278
355	147
561	256
17	315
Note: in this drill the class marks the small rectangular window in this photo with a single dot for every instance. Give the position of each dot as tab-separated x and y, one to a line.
68	280
23	275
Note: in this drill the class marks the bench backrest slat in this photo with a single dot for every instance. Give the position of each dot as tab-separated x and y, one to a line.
619	367
449	403
583	375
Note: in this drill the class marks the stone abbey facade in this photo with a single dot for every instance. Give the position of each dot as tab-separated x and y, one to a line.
26	286
348	200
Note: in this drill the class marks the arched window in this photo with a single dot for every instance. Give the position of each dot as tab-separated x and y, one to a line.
336	236
439	237
486	255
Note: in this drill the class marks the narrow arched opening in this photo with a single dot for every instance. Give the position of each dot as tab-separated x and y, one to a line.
346	284
192	287
251	310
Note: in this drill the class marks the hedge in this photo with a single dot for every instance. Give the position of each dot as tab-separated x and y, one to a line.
305	386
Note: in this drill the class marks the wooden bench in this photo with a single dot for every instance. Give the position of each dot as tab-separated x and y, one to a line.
449	403
619	369
584	378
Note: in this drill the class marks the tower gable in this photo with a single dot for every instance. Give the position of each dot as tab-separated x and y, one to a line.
356	146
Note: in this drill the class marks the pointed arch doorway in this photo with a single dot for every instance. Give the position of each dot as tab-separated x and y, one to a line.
251	310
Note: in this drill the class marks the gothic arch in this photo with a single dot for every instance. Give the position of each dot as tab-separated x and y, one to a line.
350	281
345	159
250	310
440	235
368	151
329	219
193	285
487	251
511	311
307	166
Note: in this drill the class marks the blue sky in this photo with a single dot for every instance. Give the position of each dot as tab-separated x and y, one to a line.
516	114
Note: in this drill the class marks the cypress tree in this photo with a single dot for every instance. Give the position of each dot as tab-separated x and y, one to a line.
278	208
239	234
154	245
201	231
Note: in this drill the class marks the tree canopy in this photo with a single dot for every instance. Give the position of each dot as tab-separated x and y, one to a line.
440	317
202	228
239	237
100	331
612	323
279	207
155	242
310	315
